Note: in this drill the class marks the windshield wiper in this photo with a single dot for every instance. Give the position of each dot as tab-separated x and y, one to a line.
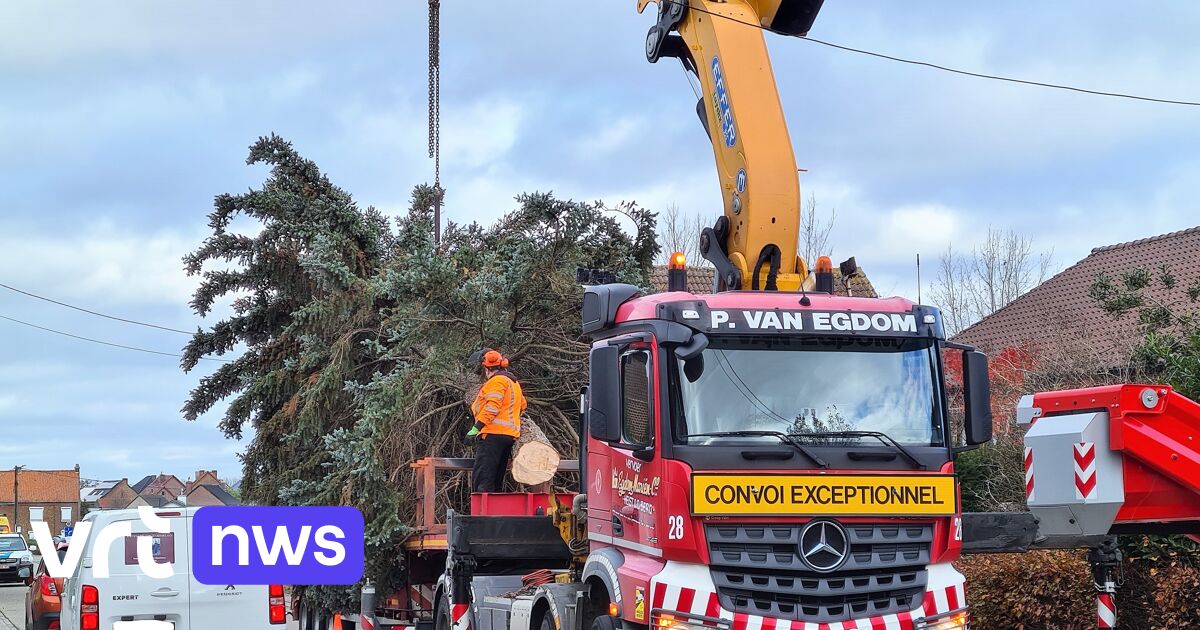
882	437
783	437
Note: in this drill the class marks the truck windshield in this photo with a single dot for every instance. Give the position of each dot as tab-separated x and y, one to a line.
811	386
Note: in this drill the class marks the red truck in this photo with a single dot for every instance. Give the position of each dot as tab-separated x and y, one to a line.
751	461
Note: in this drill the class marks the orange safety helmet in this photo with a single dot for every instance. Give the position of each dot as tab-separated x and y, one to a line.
493	359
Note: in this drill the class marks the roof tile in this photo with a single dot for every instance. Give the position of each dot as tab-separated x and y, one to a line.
1060	310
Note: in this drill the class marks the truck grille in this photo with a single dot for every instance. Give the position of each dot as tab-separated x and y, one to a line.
757	570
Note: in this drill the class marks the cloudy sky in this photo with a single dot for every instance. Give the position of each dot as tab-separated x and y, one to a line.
119	122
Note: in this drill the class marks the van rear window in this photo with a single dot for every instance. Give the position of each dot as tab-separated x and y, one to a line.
163	547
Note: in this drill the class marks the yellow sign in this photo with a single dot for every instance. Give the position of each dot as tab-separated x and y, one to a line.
824	495
5	528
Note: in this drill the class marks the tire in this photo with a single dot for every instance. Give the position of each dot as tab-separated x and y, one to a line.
548	621
606	622
441	618
304	616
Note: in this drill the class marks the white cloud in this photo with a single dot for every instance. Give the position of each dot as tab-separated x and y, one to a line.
104	263
609	137
922	225
482	132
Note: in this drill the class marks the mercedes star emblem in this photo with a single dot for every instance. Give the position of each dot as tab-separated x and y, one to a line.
824	545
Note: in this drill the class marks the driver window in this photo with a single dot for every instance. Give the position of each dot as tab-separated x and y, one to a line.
637	412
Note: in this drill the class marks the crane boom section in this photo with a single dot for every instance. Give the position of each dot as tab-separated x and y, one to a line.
756	166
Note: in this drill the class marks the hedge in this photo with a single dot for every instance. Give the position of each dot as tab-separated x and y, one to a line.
1053	590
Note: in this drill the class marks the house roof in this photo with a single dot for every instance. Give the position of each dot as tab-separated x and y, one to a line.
156	483
45	486
141	485
156	501
96	492
1060	310
219	493
203	477
700	281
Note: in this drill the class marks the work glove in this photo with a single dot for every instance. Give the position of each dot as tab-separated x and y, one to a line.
473	432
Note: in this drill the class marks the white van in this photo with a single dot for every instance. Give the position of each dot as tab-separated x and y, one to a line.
129	600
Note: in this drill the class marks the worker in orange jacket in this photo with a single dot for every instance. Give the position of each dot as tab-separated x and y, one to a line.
497	410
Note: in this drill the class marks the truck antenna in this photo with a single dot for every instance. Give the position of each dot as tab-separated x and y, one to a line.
918	278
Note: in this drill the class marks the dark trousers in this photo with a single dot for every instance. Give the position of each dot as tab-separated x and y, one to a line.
491	459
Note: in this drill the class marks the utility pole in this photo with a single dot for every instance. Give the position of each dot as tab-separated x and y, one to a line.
16	519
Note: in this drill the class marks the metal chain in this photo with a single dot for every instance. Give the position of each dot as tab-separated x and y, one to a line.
435	91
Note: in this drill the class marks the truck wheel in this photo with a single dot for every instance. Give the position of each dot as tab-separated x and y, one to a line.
605	622
547	621
442	620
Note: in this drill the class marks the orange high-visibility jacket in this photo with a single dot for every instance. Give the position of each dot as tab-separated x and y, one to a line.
499	405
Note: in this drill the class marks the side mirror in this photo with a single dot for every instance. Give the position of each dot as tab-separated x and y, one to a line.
977	398
604	394
693	348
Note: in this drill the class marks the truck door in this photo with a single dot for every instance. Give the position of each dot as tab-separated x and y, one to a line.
635	475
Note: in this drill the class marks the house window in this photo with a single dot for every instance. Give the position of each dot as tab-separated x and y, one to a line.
35	514
64	515
637	414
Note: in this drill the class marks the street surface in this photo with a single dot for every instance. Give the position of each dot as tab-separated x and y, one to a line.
12	607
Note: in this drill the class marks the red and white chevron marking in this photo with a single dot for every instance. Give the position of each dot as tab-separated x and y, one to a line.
1085	470
1028	473
1106	611
420	597
458	614
944	600
683	599
365	622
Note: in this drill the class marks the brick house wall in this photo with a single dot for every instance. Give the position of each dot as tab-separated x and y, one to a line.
52	495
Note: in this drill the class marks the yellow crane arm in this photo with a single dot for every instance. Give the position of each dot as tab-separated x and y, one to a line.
753	245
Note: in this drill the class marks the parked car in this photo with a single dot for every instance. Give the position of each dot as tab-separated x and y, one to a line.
175	603
42	603
16	559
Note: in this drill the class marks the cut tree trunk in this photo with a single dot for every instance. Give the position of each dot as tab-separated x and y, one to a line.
534	460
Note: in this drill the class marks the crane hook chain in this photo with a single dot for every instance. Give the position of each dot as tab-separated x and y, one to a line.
435	90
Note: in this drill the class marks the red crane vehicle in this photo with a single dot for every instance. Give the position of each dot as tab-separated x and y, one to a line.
771	456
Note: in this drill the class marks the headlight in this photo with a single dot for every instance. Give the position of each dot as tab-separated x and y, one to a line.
668	621
960	620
